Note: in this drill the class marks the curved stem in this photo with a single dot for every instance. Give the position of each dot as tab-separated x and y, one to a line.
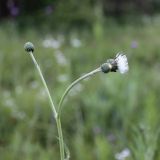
45	85
72	85
57	118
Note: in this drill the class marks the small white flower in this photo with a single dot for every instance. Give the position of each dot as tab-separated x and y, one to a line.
19	89
76	42
62	78
60	57
122	63
51	43
123	154
9	102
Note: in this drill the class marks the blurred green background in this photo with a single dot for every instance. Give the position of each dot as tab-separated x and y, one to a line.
107	117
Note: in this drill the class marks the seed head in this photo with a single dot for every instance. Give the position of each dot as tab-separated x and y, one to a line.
29	47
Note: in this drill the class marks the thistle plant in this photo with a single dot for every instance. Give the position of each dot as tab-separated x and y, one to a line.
119	63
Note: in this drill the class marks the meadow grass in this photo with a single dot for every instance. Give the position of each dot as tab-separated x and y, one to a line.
102	116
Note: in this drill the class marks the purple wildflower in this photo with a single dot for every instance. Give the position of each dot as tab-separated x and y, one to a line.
134	44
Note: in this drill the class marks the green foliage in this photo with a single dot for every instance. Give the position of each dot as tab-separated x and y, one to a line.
103	115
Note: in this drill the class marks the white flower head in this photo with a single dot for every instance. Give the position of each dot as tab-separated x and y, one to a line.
122	63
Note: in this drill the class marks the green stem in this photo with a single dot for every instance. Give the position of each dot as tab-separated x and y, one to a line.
45	85
72	85
57	118
60	134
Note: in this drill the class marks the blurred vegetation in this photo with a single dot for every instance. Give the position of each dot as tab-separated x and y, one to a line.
104	116
62	13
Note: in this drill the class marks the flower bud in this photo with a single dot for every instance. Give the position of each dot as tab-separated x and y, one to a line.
29	47
106	67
